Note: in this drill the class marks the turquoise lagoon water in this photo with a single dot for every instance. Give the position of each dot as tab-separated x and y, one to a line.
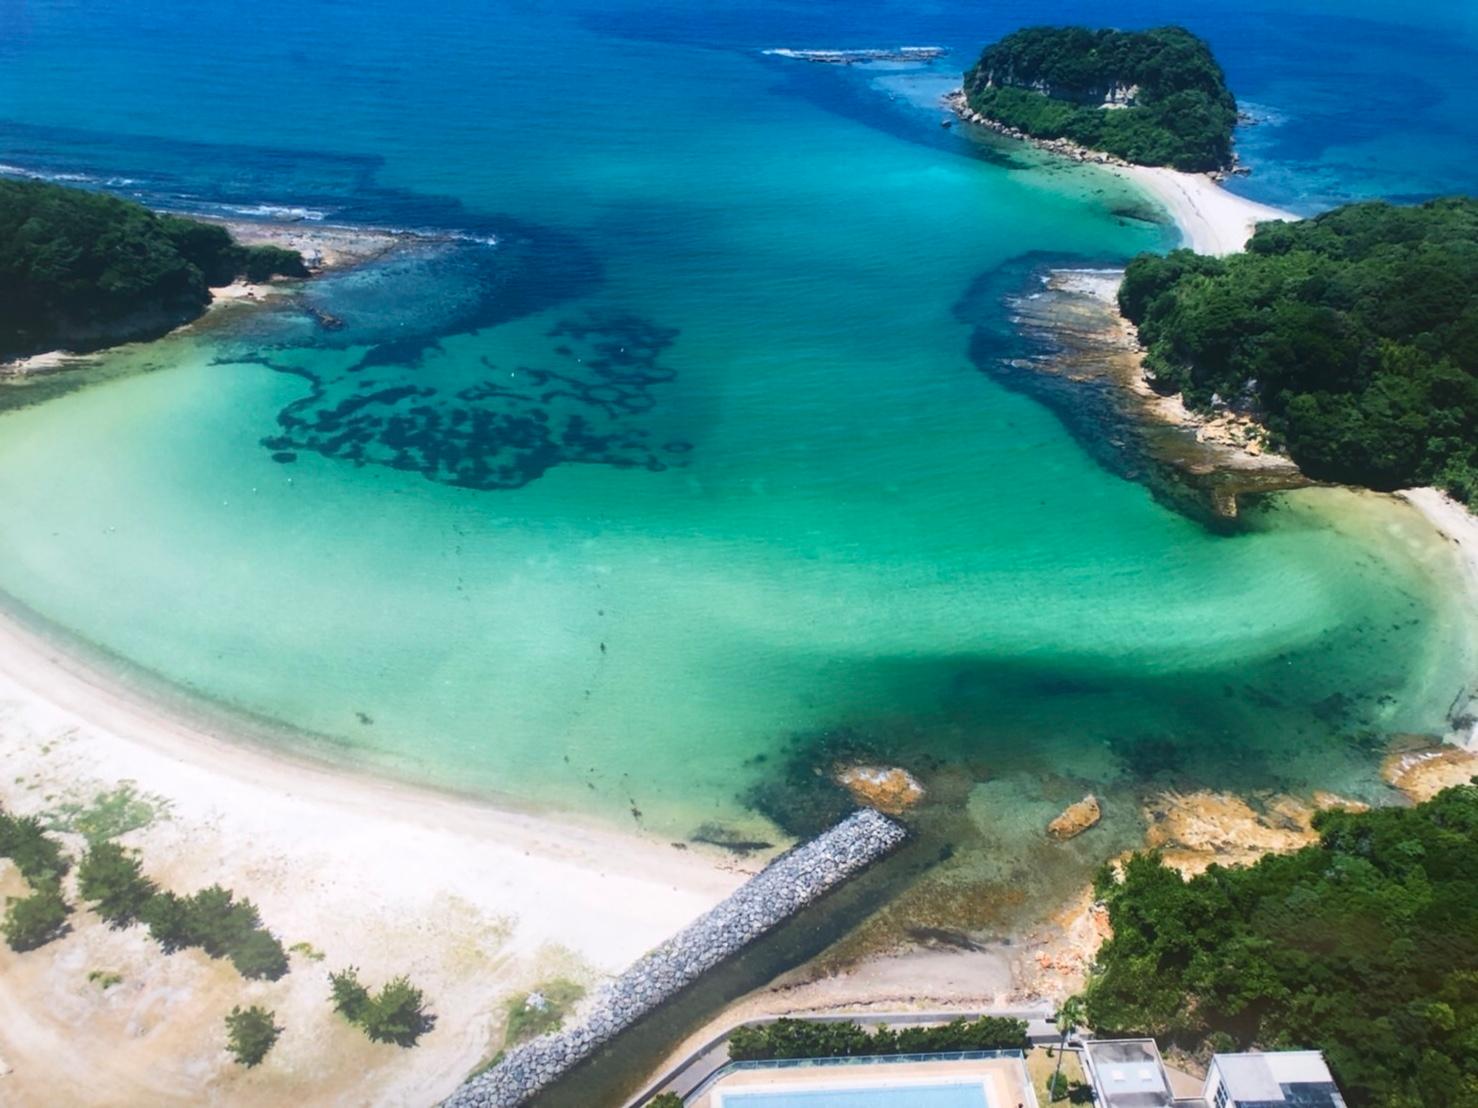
676	456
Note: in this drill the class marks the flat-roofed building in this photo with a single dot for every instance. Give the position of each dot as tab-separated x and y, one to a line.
1127	1073
1277	1079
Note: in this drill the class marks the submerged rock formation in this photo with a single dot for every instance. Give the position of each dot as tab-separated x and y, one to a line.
1075	819
1086	365
888	789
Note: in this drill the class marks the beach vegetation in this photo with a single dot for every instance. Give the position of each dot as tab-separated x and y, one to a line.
1172	105
396	1014
250	1033
83	269
1363	945
543	1010
351	999
792	1038
24	841
220	925
113	880
110	813
1354	335
307	950
35	920
104	979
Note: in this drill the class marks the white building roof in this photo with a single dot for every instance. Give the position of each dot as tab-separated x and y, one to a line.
1127	1073
1278	1077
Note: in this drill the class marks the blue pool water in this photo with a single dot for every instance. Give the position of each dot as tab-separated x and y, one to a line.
898	1096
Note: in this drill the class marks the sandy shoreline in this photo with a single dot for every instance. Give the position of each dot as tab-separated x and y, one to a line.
1460	526
1211	219
473	902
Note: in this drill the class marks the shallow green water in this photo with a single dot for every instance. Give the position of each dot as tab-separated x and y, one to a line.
854	527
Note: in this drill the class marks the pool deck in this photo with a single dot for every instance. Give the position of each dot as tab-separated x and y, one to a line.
1004	1080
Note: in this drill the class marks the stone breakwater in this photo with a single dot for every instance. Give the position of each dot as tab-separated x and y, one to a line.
788	884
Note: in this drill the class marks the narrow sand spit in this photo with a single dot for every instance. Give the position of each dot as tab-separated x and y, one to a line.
474	903
1211	219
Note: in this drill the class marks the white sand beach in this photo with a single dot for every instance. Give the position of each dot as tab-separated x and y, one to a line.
1211	219
475	904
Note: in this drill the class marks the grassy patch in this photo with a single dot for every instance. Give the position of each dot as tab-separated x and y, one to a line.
540	1011
308	951
109	814
104	979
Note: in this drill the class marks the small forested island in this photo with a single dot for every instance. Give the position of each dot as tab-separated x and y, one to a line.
81	270
1364	945
1153	97
1353	336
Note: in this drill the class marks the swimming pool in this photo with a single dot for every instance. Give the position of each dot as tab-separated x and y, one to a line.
954	1095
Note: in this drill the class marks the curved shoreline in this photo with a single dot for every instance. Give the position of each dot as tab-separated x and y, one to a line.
1211	220
474	900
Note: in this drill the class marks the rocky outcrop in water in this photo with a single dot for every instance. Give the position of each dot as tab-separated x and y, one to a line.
888	789
788	884
1075	819
855	57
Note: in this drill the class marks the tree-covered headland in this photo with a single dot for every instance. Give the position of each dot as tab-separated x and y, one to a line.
1153	97
1355	333
82	269
1364	946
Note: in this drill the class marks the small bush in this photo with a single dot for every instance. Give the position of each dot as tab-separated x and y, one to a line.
112	879
24	841
168	919
259	955
1057	1087
36	919
250	1033
104	979
396	1014
351	999
665	1100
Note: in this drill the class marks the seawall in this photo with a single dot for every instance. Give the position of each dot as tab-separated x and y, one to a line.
789	883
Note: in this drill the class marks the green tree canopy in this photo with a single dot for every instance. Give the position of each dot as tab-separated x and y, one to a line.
83	269
1053	82
1364	946
250	1033
35	920
1355	332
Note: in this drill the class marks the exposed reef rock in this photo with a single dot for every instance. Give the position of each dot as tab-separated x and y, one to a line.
1195	830
1078	355
855	57
1076	819
1421	769
888	789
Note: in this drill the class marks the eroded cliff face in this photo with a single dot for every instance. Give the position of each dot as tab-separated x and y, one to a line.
1118	94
